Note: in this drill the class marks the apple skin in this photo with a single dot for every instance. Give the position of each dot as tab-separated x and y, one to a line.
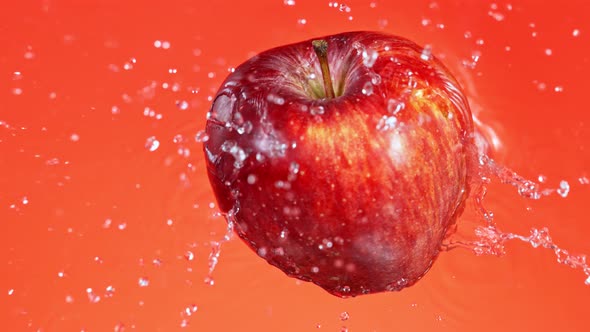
354	193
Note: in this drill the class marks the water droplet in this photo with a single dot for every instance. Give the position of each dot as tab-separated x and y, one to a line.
369	57
302	21
10	291
284	234
69	299
143	282
426	54
238	153
548	52
529	189
262	252
189	310
394	106
189	255
152	143
279	251
576	32
496	15
246	128
375	79
472	63
344	316
251	179
294	168
386	123
541	86
178	138
29	55
201	137
402	282
289	2
367	88
564	189
317	110
52	162
110	291
92	297
558	88
282	185
182	105
274	99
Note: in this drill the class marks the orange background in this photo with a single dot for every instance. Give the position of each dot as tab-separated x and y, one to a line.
73	155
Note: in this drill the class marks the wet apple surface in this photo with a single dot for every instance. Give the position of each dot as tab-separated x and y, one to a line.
354	193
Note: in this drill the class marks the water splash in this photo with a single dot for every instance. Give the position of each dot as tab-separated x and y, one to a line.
216	245
491	240
526	188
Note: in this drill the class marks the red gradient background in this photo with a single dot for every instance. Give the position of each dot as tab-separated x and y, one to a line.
85	204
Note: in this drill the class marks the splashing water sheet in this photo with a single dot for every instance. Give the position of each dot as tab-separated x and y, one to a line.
109	223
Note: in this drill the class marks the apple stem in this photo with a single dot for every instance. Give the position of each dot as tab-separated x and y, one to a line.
320	46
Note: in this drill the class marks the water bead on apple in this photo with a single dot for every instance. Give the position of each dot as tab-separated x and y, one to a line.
346	161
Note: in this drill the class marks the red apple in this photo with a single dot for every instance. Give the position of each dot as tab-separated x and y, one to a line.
343	161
